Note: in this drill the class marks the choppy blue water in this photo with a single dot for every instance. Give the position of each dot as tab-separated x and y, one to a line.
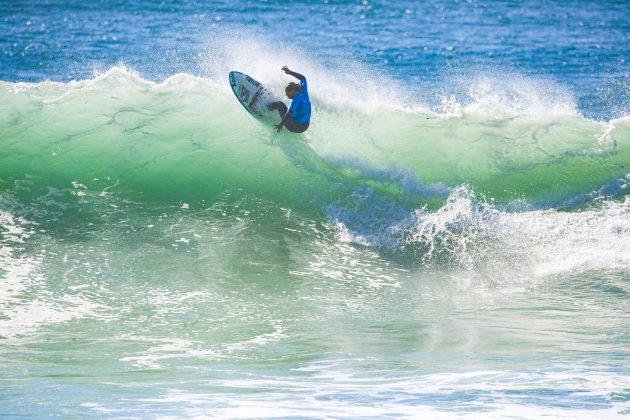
449	239
581	45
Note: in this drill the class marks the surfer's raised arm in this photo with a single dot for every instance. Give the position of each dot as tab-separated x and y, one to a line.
297	116
292	73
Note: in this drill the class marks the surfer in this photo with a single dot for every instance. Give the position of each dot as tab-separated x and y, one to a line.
297	117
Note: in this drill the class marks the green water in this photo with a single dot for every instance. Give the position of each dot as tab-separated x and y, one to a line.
162	252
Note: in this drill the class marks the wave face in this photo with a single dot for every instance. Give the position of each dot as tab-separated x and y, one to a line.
186	139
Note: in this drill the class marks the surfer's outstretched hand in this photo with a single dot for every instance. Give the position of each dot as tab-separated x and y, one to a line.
278	127
292	73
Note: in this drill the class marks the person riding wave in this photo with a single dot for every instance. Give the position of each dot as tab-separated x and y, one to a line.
297	117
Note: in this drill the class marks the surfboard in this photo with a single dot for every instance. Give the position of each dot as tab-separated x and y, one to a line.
252	95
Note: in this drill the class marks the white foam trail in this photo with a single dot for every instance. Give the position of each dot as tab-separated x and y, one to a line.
17	271
328	392
471	234
26	303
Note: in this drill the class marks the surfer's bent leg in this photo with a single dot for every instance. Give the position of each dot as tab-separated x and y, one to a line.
291	125
280	107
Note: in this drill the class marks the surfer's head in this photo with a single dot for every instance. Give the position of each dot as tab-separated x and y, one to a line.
291	89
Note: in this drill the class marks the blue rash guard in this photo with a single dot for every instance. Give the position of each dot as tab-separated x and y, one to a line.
301	105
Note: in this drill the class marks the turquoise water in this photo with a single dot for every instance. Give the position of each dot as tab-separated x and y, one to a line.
449	239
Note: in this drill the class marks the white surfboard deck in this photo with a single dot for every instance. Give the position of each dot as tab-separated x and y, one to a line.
254	97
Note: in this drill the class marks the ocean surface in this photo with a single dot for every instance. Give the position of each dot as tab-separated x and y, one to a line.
449	239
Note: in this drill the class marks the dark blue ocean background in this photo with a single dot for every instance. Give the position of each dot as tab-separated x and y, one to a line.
582	45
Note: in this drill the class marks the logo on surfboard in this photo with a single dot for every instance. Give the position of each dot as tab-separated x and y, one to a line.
251	94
